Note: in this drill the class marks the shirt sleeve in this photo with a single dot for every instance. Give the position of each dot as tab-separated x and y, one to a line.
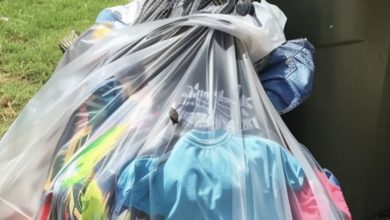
133	185
294	173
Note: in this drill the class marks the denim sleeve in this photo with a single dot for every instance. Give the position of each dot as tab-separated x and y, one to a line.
287	74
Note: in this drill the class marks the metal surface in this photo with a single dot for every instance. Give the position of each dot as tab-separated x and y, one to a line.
346	123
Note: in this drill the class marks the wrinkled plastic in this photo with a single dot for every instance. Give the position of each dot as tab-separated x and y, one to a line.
286	74
165	120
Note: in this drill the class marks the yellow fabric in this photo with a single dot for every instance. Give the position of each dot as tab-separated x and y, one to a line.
93	203
101	31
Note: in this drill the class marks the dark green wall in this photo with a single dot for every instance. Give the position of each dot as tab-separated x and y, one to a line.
346	122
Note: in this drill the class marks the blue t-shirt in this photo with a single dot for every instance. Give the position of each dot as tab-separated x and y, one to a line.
212	175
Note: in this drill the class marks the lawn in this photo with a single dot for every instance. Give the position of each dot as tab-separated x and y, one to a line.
29	34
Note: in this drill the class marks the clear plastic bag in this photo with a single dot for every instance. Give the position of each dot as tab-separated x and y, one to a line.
165	120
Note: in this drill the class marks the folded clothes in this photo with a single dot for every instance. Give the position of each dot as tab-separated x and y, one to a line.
203	186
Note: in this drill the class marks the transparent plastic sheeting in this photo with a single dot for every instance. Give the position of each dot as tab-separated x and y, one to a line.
165	120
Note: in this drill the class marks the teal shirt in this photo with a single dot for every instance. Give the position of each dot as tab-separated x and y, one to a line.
212	175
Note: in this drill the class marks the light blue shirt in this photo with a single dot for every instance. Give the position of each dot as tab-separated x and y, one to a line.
212	175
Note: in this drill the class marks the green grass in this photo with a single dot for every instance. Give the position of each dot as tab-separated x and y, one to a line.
29	45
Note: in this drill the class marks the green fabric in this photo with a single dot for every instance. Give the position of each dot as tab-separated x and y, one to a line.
81	166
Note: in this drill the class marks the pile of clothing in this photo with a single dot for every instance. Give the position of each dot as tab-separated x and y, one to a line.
170	109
